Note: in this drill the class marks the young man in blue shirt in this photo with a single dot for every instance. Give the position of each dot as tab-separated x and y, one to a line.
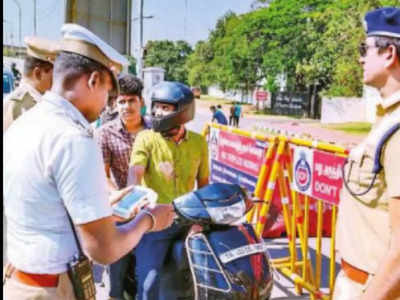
218	115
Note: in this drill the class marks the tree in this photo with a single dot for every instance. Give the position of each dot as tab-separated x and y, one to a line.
132	64
171	56
312	42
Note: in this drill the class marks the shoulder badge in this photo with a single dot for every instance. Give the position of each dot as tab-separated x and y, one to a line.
18	94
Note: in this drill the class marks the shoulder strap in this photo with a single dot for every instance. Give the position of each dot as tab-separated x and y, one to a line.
75	235
378	151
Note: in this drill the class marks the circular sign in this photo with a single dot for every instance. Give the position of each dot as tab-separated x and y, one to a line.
302	173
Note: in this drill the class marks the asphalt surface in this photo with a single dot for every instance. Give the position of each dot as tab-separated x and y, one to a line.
283	287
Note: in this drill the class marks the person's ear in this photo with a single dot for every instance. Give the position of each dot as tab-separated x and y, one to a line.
94	80
37	73
391	56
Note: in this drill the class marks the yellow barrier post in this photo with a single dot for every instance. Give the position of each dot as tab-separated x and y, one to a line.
332	268
318	258
305	253
265	172
296	215
270	189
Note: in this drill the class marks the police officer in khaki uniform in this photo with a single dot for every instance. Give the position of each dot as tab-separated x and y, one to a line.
37	78
368	228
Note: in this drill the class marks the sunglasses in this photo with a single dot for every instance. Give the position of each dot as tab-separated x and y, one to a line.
363	48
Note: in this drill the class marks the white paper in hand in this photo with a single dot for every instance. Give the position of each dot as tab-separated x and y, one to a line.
135	199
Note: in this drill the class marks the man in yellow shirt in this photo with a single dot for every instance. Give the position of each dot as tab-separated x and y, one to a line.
170	160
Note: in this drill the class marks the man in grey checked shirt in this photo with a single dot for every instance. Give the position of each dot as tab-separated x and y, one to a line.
115	139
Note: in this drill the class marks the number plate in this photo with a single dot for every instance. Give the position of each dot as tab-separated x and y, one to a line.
242	251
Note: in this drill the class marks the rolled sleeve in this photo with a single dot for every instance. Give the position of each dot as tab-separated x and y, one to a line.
140	153
79	174
391	164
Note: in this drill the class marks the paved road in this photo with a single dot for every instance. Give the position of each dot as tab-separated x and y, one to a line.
283	288
306	128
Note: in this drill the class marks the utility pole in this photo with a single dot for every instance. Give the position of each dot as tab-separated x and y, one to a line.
19	21
34	18
6	37
139	63
140	58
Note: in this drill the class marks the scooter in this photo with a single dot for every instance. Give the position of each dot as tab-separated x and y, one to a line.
224	261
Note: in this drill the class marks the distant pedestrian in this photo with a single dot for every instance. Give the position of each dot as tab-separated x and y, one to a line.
16	73
237	114
218	115
232	116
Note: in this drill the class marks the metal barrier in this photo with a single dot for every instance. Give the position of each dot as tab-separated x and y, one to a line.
277	169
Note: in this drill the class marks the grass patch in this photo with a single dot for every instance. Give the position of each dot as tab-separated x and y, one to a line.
351	127
216	100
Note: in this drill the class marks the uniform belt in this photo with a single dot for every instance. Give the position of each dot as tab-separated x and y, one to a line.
354	273
41	280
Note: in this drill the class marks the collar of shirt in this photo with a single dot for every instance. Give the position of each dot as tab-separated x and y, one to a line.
393	99
119	126
68	109
184	138
37	96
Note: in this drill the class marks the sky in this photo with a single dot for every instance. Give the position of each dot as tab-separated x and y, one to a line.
189	20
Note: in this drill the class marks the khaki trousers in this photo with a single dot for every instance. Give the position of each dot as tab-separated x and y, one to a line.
15	290
347	289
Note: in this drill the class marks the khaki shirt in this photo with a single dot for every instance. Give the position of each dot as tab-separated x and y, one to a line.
23	98
363	228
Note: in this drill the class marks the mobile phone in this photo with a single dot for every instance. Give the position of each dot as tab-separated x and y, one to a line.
135	199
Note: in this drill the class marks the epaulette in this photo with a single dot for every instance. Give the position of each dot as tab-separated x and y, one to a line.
18	94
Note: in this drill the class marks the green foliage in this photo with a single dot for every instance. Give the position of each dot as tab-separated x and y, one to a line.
312	42
8	52
352	127
132	64
171	56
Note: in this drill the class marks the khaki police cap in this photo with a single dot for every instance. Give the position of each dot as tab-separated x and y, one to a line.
78	39
41	48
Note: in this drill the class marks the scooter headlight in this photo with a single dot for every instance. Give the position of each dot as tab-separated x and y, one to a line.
227	214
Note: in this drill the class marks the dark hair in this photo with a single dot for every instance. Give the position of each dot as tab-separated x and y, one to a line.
219	106
212	107
382	42
30	63
130	85
71	66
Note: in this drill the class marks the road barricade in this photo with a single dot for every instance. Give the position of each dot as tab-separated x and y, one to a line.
297	183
